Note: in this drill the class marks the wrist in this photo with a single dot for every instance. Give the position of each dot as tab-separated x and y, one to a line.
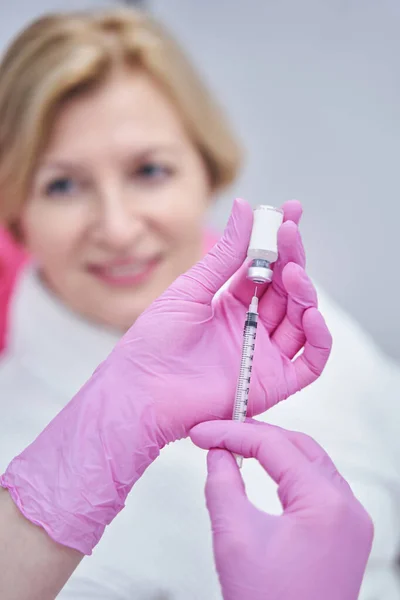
169	422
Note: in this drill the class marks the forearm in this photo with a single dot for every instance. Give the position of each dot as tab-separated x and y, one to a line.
32	565
72	481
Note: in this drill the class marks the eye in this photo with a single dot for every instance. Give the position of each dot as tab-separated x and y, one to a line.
62	186
152	171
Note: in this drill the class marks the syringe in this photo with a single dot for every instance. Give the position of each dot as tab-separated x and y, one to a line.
243	384
262	252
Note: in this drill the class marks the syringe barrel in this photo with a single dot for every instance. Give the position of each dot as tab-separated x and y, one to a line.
264	236
243	384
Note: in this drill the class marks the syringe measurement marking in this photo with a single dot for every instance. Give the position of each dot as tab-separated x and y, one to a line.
243	387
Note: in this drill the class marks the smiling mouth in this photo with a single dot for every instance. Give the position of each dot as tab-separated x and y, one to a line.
126	274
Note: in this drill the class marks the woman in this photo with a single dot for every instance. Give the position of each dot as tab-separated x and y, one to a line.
110	153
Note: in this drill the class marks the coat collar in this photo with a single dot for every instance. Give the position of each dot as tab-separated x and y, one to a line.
51	341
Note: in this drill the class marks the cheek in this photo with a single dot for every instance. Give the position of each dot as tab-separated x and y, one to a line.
50	236
182	215
181	226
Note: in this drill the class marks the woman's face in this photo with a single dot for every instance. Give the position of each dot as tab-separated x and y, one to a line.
116	208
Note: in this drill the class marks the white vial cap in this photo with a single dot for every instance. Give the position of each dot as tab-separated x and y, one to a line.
264	235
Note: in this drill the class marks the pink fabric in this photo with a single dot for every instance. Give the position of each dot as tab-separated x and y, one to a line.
316	550
12	259
75	477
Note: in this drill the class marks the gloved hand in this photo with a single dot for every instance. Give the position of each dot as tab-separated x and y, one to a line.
316	550
176	367
185	349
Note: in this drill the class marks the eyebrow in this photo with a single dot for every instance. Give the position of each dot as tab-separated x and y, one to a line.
142	154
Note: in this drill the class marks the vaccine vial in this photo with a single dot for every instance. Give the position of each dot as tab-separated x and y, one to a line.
263	247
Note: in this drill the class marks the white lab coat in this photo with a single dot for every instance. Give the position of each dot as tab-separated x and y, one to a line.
159	547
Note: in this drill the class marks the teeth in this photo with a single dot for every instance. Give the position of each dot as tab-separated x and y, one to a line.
125	270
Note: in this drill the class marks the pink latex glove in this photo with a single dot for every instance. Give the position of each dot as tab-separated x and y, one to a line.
316	550
176	367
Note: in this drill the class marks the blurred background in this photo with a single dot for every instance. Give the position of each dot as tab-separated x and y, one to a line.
312	88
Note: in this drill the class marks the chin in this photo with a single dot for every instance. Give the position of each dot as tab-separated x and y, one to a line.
123	322
122	310
122	318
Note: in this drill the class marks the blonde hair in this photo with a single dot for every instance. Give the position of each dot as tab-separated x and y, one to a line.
62	55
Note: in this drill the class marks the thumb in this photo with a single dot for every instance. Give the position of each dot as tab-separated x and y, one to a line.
283	461
224	489
203	281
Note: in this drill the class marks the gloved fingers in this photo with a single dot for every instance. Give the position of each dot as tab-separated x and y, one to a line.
315	454
288	244
273	296
273	304
292	211
203	281
266	443
319	458
225	491
309	447
289	335
241	288
311	362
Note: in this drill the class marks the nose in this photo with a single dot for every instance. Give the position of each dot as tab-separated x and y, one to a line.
119	225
